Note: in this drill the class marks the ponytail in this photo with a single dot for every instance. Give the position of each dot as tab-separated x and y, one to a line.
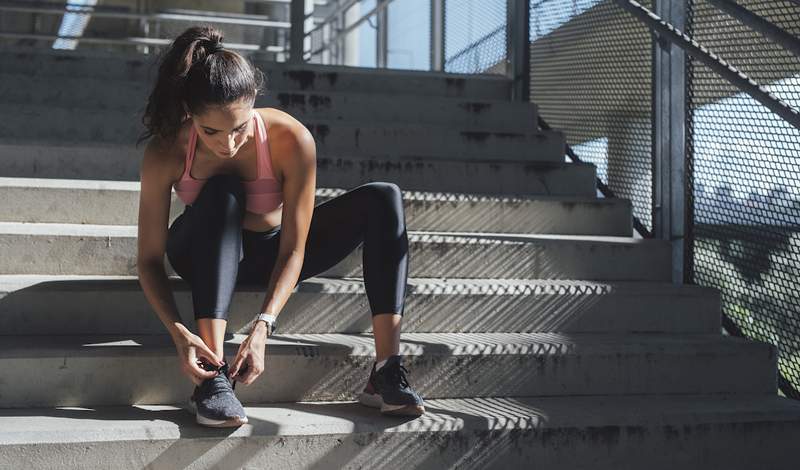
196	71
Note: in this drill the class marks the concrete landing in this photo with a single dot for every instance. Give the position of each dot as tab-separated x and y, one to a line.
654	432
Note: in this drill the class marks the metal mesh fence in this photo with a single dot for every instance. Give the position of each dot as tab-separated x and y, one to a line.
591	75
475	36
745	185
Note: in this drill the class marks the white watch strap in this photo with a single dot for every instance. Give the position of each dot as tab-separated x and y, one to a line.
269	319
266	317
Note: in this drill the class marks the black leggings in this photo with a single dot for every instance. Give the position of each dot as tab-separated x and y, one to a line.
208	247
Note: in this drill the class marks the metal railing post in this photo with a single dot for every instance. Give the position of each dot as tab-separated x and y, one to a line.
437	35
382	48
518	48
670	211
297	16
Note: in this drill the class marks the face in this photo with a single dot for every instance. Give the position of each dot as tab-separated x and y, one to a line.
225	128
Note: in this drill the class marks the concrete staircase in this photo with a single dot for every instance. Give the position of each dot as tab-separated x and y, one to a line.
539	330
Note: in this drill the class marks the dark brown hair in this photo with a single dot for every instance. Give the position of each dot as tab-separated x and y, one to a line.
196	70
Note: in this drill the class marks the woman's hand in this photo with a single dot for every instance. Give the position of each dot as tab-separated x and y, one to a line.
249	361
191	349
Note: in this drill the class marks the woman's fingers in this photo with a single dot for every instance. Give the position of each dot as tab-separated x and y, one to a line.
202	373
196	373
206	353
238	361
250	375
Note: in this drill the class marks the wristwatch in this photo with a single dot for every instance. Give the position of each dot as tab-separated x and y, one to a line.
268	319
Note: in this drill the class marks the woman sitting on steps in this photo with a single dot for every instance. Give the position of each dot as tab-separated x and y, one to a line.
248	177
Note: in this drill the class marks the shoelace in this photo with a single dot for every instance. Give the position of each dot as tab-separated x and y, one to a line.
396	375
223	369
218	385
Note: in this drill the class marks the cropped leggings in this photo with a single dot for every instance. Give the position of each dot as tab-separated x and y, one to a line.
208	247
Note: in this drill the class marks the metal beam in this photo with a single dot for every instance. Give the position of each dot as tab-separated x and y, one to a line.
767	29
725	70
518	48
670	205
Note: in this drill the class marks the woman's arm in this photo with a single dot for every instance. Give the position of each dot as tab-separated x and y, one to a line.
154	203
299	189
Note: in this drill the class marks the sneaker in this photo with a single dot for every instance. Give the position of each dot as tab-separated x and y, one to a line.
214	403
388	389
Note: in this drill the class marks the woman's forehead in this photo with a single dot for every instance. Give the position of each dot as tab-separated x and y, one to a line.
227	116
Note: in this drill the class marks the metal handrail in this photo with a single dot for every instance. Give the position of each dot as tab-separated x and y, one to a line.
100	12
744	84
381	5
787	40
602	187
472	46
730	73
132	41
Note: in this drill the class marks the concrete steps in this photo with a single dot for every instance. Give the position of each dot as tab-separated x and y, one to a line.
339	305
654	432
84	94
536	327
117	203
401	140
280	76
111	249
365	139
99	370
338	170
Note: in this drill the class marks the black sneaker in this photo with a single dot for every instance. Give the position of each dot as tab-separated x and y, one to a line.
388	389
214	403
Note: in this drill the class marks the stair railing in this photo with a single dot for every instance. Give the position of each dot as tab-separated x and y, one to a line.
148	22
667	32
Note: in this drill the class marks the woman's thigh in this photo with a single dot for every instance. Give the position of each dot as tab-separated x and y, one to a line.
178	249
338	227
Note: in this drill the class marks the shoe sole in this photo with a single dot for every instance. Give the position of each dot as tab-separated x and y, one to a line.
216	423
373	400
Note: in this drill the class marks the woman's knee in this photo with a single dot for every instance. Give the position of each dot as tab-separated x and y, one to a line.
388	195
384	202
222	192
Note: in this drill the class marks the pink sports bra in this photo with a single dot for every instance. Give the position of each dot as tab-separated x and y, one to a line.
264	194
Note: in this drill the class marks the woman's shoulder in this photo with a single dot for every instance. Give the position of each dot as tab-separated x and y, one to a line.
285	133
167	157
281	125
286	137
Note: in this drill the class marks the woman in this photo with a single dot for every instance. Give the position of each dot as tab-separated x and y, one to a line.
248	179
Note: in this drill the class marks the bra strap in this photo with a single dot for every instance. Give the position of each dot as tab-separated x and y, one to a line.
190	148
264	158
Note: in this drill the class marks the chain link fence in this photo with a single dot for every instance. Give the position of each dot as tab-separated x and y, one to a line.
744	163
591	76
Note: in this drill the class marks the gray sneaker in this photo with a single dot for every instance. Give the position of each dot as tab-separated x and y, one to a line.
214	402
389	390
